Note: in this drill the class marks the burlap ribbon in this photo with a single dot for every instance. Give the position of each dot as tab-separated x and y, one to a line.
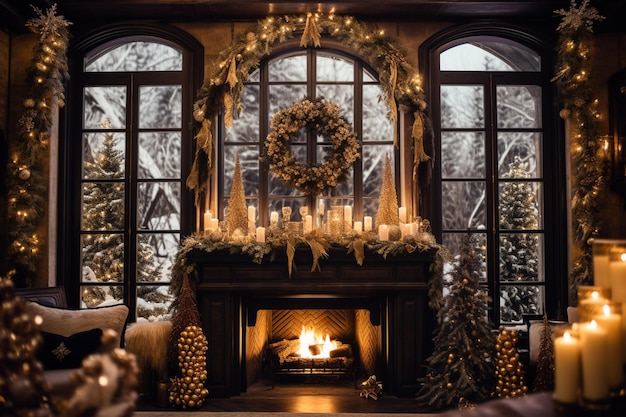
311	33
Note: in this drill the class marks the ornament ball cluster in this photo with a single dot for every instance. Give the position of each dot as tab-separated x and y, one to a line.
509	370
188	390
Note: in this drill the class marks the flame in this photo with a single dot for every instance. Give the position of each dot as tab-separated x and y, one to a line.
308	337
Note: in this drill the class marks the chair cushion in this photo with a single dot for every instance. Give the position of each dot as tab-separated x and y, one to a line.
61	352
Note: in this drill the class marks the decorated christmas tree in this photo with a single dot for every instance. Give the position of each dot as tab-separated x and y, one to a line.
460	369
544	378
187	350
388	199
237	210
519	252
103	202
509	369
22	390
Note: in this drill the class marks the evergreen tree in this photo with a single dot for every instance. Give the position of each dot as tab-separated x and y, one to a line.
461	368
103	202
388	199
519	250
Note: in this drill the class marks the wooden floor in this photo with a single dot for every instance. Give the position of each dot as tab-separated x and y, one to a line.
302	397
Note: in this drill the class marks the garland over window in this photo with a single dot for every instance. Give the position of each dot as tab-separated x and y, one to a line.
324	117
399	81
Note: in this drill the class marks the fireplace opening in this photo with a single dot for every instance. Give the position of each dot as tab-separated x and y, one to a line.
279	348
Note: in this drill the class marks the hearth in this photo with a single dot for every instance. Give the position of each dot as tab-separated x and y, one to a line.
379	308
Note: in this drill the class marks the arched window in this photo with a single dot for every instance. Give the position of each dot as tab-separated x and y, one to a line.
126	156
285	78
500	171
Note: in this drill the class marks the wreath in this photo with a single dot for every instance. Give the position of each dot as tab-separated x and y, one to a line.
324	117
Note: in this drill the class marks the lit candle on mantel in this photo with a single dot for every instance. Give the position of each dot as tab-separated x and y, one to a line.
367	223
358	227
260	234
402	214
383	232
590	305
274	218
308	223
207	219
594	361
566	368
612	324
617	270
347	215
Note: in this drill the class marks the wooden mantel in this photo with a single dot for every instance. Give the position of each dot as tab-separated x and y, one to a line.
232	288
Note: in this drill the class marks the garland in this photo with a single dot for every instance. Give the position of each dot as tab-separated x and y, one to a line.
325	118
399	81
26	168
590	171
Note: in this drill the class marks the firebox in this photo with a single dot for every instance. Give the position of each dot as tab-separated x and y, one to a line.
379	308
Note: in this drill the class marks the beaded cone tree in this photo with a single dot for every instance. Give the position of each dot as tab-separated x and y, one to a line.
461	368
544	378
388	199
509	369
188	347
237	210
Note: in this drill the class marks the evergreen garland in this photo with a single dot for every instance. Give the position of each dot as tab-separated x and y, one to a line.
579	107
27	196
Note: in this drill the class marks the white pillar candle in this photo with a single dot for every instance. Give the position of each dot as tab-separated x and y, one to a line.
591	306
260	234
274	218
214	224
252	214
594	361
207	219
347	215
308	223
321	209
413	227
367	223
358	227
402	214
612	324
601	272
617	271
383	232
566	368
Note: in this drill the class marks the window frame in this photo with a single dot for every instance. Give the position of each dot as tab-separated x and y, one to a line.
554	155
92	44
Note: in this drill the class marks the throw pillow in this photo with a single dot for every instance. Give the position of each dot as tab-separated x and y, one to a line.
60	352
66	322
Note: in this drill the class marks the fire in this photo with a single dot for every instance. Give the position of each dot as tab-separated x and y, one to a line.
311	342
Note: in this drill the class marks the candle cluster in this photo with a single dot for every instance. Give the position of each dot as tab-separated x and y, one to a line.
590	355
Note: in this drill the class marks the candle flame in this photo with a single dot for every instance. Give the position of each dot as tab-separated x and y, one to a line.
595	295
593	324
607	310
623	257
566	336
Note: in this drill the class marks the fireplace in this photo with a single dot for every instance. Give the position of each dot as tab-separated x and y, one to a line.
384	302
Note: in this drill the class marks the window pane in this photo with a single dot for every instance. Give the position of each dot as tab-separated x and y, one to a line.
155	255
521	257
137	56
103	155
245	127
159	155
160	107
463	155
334	68
101	296
343	95
103	206
102	257
520	205
453	243
516	300
153	303
104	107
523	145
462	106
376	124
291	68
158	205
374	157
463	205
519	106
489	56
284	96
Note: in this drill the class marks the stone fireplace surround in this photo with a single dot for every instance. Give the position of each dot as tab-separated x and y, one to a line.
236	298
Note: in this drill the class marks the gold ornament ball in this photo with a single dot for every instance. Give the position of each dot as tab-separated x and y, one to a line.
24	174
